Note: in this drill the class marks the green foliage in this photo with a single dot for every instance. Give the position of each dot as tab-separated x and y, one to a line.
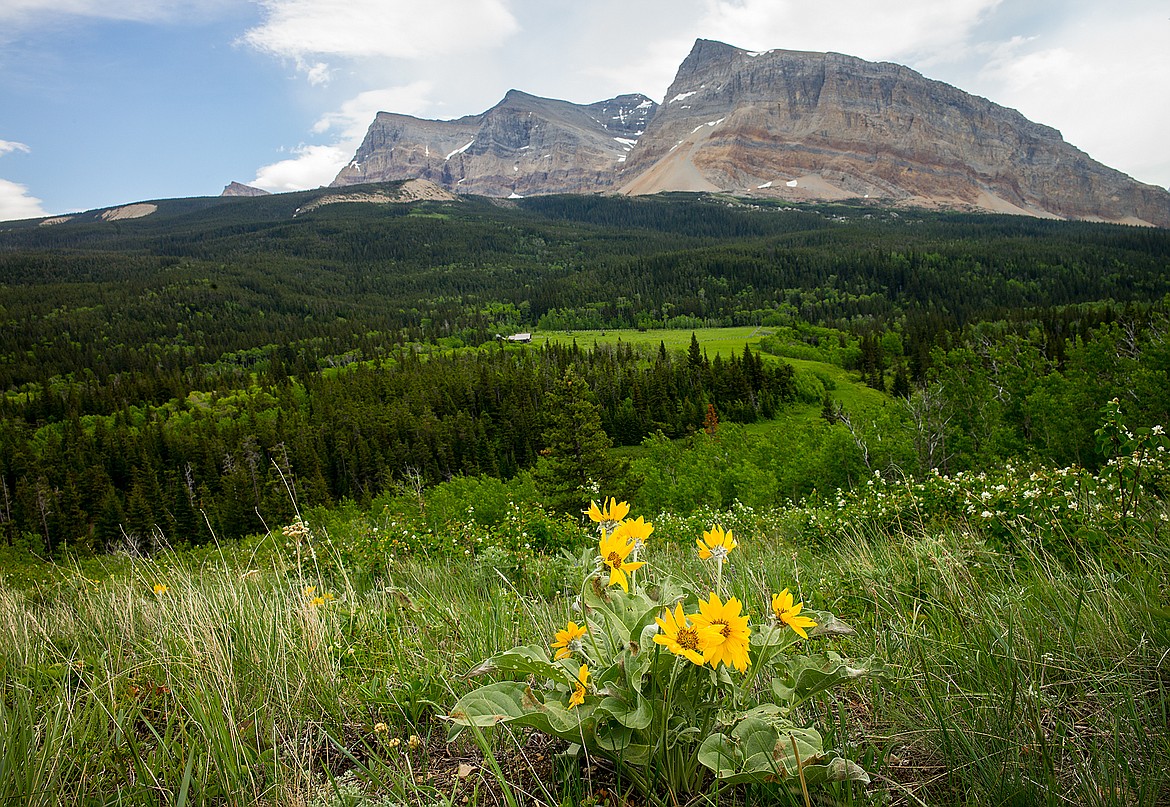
663	717
576	459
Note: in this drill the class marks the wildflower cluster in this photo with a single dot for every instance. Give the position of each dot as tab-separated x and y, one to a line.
1049	504
317	600
672	682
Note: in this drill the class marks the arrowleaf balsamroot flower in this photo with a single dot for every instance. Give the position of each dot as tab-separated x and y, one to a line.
569	640
679	636
611	516
578	696
784	611
615	548
729	640
636	530
716	543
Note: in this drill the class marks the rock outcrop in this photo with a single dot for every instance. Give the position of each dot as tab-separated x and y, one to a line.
809	126
789	124
240	189
523	146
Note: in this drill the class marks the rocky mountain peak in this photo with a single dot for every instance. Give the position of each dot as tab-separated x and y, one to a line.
820	126
240	189
522	146
796	125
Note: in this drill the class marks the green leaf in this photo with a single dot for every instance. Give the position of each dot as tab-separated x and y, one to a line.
828	625
804	676
633	711
527	660
617	743
624	615
758	752
515	703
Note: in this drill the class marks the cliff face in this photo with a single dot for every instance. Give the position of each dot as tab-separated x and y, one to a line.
789	124
826	126
523	146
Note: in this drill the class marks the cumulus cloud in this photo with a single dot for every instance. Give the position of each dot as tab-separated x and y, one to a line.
1093	79
925	29
311	167
304	30
316	165
16	203
355	115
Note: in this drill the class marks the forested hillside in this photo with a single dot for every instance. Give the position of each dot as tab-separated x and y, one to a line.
206	367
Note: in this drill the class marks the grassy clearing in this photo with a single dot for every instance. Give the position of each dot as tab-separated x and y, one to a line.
723	342
1032	677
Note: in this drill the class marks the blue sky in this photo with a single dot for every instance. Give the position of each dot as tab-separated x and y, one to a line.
115	101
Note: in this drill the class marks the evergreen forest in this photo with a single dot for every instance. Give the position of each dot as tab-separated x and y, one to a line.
207	371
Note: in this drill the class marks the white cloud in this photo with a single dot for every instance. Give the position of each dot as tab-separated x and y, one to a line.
312	167
16	203
350	29
1095	79
356	114
7	146
318	73
925	29
317	165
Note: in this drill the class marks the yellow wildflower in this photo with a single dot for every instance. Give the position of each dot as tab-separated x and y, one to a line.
636	530
568	641
679	636
414	742
615	548
608	518
783	610
729	641
381	728
716	543
578	696
159	589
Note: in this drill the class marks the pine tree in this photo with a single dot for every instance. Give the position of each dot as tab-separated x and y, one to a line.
576	463
694	354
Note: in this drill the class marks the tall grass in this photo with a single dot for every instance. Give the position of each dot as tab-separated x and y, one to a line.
1016	679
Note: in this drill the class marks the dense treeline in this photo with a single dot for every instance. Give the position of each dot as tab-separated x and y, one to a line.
199	369
232	462
207	284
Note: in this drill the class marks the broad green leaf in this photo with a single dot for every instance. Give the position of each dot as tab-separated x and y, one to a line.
773	640
804	676
617	743
632	711
624	615
515	703
527	660
828	625
757	751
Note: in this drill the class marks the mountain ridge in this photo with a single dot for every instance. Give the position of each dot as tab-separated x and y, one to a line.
796	125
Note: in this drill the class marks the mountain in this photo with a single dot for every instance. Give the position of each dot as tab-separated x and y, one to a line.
523	146
240	189
826	126
794	125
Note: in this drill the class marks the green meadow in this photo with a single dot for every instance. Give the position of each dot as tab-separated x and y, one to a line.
1022	652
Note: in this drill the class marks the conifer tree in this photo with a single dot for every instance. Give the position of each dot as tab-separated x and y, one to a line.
575	464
